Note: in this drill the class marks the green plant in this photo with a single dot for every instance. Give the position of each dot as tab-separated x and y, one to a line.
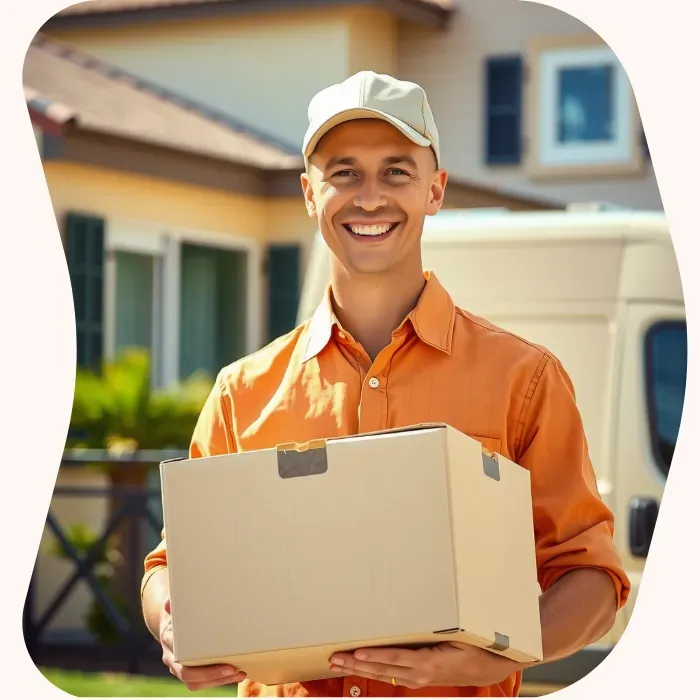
117	408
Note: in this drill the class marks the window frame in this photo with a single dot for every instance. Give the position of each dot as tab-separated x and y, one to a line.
164	242
547	160
650	404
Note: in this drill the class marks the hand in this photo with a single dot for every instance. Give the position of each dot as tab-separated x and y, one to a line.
449	664
194	677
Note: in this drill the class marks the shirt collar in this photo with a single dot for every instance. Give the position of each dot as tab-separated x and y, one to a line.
433	319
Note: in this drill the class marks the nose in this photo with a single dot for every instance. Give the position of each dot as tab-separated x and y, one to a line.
370	196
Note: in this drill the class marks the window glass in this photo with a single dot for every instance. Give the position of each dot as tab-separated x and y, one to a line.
666	366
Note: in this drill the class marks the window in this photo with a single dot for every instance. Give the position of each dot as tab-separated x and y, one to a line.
191	299
503	110
212	308
666	357
184	297
584	116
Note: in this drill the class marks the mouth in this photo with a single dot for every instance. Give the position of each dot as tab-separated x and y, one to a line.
371	232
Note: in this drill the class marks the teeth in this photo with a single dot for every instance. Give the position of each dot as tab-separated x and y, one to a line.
370	230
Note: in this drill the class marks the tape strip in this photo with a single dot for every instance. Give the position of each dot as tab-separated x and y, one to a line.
491	468
292	463
501	643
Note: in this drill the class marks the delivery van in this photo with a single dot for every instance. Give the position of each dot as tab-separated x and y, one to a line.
600	289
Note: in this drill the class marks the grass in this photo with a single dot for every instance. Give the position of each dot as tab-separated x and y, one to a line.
103	685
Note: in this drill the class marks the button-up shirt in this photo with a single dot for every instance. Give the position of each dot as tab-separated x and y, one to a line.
444	365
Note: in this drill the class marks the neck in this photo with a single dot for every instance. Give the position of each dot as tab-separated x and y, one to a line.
370	307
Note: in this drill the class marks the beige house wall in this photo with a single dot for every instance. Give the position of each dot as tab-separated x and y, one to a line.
450	66
261	69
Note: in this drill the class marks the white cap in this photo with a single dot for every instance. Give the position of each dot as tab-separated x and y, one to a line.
369	95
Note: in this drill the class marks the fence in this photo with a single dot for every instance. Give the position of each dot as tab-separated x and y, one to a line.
129	511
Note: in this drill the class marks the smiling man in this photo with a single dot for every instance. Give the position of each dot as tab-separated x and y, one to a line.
387	348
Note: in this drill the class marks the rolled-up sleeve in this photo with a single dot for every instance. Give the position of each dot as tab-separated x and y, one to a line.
573	526
212	435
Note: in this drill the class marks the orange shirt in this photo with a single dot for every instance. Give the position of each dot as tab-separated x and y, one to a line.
443	365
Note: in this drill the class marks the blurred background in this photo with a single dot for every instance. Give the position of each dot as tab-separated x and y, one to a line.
170	132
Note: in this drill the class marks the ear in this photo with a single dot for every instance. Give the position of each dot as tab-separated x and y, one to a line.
437	193
308	191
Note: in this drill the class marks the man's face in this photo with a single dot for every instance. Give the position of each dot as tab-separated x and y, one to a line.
370	189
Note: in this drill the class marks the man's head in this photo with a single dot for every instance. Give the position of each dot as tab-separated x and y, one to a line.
373	170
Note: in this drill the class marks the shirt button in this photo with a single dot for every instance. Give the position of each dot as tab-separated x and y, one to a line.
355	691
374	382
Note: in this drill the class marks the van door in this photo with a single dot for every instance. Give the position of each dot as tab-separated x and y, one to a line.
651	394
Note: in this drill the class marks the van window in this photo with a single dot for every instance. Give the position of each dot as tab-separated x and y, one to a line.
666	357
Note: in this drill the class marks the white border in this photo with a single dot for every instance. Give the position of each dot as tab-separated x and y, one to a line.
656	42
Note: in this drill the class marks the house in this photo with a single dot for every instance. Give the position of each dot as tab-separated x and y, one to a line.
529	100
159	149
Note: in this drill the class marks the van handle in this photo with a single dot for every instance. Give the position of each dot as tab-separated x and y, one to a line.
642	521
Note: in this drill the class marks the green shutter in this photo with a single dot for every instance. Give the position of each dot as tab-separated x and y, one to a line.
85	257
284	288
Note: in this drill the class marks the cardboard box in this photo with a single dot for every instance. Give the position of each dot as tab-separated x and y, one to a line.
280	557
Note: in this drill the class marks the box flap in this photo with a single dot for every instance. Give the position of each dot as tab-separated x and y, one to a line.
320	442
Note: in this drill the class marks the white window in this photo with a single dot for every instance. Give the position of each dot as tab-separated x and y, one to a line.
190	298
584	113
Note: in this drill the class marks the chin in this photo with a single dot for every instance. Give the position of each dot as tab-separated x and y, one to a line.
369	267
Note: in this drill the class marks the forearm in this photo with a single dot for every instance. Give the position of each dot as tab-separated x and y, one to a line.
576	611
155	593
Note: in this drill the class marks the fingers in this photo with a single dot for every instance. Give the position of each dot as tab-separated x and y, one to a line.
213	684
404	675
202	677
194	677
391	656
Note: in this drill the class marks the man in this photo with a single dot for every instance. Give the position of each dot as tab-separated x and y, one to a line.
386	348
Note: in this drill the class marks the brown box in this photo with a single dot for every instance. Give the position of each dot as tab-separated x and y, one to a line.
280	557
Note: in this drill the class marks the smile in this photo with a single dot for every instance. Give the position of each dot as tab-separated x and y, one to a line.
373	230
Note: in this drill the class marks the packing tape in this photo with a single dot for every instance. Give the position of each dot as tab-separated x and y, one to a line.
295	460
501	643
491	468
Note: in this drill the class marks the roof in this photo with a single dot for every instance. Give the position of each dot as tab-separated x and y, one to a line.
106	12
67	86
102	6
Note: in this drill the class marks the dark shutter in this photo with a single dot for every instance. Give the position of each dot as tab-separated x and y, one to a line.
284	288
503	97
85	257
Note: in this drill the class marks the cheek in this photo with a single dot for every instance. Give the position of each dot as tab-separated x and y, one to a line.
330	203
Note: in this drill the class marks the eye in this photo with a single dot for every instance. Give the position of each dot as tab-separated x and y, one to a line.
397	172
343	173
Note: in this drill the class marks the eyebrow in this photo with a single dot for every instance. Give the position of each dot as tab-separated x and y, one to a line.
391	160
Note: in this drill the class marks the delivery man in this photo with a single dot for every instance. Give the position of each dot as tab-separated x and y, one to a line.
388	348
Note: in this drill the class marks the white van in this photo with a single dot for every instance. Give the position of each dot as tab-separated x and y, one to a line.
601	290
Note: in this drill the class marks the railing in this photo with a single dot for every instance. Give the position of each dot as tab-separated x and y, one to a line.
128	512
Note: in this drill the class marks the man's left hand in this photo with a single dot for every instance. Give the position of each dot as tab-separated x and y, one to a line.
448	664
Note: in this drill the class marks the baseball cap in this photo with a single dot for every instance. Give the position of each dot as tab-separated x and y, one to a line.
369	95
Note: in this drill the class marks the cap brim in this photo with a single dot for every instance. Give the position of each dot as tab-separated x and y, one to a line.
314	137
